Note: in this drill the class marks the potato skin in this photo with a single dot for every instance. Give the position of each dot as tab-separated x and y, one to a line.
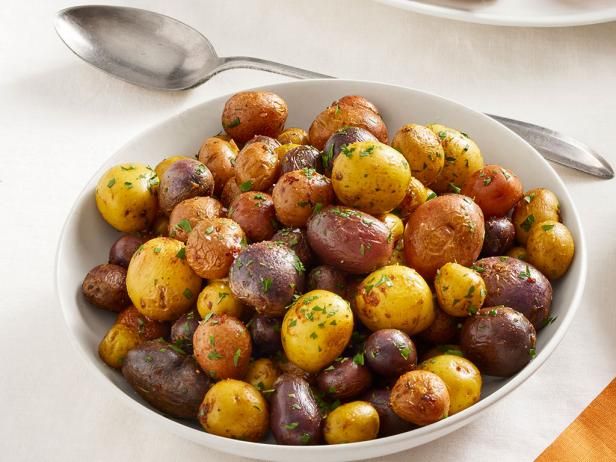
222	347
344	379
348	111
395	225
389	422
341	138
229	192
167	378
219	157
295	416
297	241
460	290
216	297
395	297
420	397
518	285
126	197
293	135
499	238
328	278
123	249
423	151
416	195
255	213
251	113
146	328
445	229
164	164
262	374
495	189
301	157
184	179
234	409
105	287
270	142
462	378
550	248
518	252
212	246
498	340
443	330
176	284
390	352
316	329
351	422
256	167
349	240
371	176
297	193
537	205
116	343
185	216
265	334
183	330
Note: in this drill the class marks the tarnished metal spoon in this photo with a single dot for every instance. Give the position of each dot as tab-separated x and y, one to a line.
158	52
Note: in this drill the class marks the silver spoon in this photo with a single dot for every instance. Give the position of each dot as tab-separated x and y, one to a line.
158	52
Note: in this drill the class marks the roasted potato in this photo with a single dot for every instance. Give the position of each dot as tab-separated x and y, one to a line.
389	422
444	329
230	192
340	139
234	409
146	328
126	197
327	278
105	287
293	135
251	113
495	189
212	246
185	216
297	241
255	213
460	290
301	157
164	164
216	297
390	352
183	330
256	167
262	373
219	157
265	334
160	283
272	143
536	206
351	422
422	149
445	229
184	179
420	397
116	344
281	151
395	225
416	195
166	377
123	249
550	248
518	252
346	378
316	329
499	238
371	176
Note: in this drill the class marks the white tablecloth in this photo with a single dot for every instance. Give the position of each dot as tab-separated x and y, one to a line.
59	119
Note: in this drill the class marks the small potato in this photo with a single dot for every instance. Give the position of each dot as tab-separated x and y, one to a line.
444	329
234	409
462	159
550	248
166	378
164	164
416	195
265	334
389	422
281	151
423	151
183	330
160	227
270	142
460	290
298	193
230	192
216	297
346	378
123	249
293	135
351	422
445	229
126	197
461	376
251	113
371	176
212	246
500	235
518	252
219	157
188	213
420	397
536	206
160	283
348	111
105	287
146	328
340	139
446	349
316	329
262	374
116	343
495	189
255	213
395	297
184	179
327	278
390	353
301	157
222	347
395	225
297	241
256	168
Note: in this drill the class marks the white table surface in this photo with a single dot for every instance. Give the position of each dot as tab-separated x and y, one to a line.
59	119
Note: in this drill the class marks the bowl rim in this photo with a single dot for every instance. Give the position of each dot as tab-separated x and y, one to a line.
244	448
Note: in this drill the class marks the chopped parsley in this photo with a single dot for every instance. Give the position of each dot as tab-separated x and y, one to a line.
236	357
266	284
291	426
359	358
528	222
532	352
222	296
431	196
246	186
111	182
181	253
454	188
234	123
128	185
547	227
187	293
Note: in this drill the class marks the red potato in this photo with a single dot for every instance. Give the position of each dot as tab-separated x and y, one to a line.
495	189
255	213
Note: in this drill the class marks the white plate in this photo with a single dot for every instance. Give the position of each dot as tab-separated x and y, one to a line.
86	239
528	13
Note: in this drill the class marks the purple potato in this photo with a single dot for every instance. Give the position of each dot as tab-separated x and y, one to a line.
339	140
346	378
301	157
390	352
296	240
499	238
265	334
389	422
183	329
184	179
328	278
123	249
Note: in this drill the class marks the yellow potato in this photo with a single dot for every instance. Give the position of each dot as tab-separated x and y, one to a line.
395	297
395	225
416	195
234	409
282	150
262	374
160	283
460	290
371	176
518	252
126	197
462	378
116	344
217	298
351	422
164	164
536	206
316	329
550	248
462	159
293	135
423	151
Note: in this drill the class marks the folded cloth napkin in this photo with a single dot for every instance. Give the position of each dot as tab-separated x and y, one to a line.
592	435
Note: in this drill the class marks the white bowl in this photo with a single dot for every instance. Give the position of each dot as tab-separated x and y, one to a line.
86	239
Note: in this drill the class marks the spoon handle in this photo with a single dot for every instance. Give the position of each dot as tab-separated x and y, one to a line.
246	62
